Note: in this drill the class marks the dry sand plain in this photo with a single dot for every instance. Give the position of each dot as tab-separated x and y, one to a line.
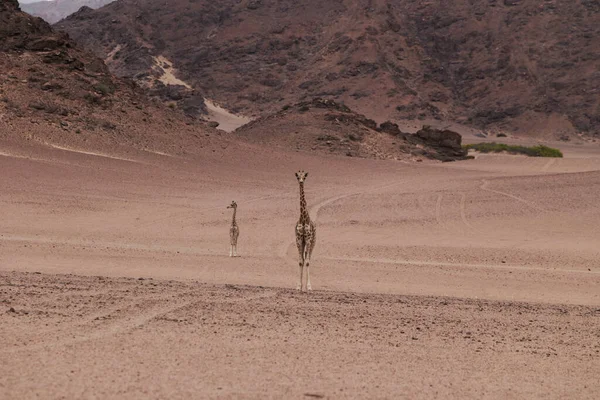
475	279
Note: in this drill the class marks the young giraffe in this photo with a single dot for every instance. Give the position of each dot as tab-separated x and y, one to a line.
234	232
306	234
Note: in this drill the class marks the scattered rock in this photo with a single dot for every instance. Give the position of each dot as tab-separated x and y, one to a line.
254	4
51	86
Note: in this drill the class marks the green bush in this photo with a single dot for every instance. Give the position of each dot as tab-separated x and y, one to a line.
534	151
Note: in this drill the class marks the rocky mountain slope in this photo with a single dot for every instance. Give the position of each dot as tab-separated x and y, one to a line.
55	10
520	66
53	93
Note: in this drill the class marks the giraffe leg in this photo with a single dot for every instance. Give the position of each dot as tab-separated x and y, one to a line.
308	253
300	265
231	250
235	250
307	263
300	245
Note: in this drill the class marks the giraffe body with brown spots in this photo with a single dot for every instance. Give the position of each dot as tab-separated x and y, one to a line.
306	235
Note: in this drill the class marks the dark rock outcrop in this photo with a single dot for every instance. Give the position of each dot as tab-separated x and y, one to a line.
391	128
446	143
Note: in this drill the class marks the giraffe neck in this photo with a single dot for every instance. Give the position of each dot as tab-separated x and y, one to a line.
233	223
303	211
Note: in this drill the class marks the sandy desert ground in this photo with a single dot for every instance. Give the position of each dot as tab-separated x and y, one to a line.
475	279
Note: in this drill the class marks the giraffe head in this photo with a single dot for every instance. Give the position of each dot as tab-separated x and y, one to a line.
301	176
233	204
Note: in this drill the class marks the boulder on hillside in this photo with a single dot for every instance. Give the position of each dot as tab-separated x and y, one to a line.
445	142
391	129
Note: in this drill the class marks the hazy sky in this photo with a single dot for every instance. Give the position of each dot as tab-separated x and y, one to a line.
30	1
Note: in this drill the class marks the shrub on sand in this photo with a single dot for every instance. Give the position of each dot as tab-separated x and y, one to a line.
533	151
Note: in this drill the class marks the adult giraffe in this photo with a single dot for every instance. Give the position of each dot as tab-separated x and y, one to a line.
306	234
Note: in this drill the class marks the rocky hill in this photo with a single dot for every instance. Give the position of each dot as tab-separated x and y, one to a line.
53	93
521	66
326	127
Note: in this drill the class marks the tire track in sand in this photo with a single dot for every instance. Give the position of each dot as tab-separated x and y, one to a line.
548	164
463	211
484	186
465	220
438	209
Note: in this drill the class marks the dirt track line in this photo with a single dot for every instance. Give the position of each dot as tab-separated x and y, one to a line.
465	220
160	153
90	153
3	154
548	164
485	183
463	211
457	265
438	209
46	160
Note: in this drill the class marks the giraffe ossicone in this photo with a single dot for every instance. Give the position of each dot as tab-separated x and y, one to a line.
306	235
234	231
